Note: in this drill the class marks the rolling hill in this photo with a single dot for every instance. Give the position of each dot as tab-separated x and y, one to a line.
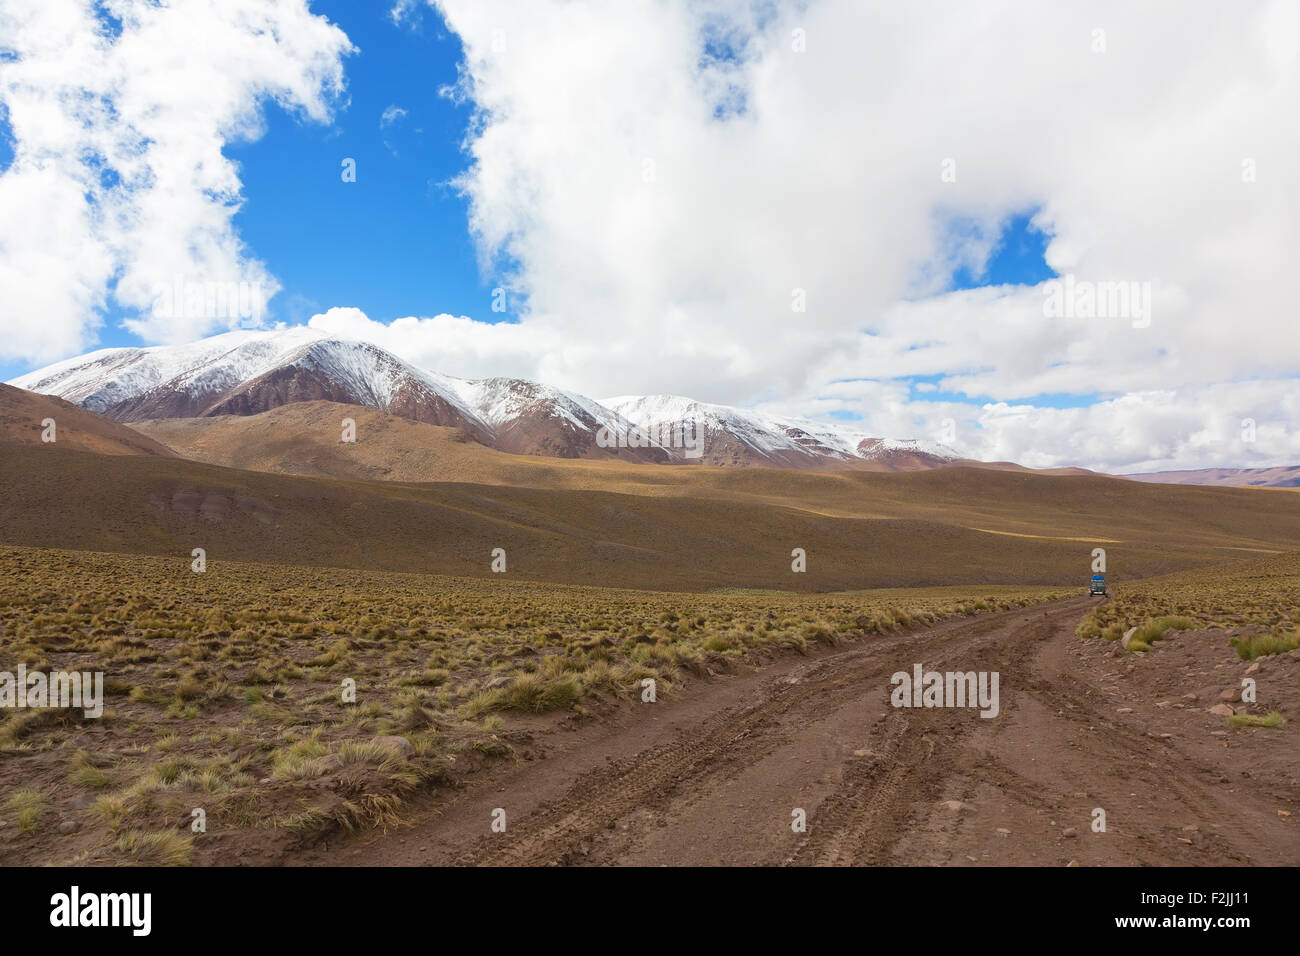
646	527
22	414
304	439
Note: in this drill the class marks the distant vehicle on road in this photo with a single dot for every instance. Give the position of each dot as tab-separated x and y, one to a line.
1097	585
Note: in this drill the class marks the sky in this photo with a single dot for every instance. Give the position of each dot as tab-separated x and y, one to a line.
1059	234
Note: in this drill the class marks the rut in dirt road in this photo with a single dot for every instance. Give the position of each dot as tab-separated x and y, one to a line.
606	814
717	777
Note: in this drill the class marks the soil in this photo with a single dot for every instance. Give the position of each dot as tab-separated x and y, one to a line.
714	777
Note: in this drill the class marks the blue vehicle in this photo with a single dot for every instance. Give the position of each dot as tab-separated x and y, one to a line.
1097	585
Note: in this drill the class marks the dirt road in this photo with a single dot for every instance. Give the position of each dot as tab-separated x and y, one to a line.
717	778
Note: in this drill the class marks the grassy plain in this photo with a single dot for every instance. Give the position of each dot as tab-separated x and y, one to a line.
1260	596
225	688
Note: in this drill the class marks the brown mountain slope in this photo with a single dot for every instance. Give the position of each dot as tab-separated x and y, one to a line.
305	439
22	412
1012	466
724	529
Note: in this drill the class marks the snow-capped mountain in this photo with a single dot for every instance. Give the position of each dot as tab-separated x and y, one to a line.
733	436
248	372
103	379
529	418
245	372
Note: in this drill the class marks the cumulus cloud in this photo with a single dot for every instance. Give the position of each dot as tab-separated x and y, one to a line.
1247	424
661	183
1236	425
454	344
118	187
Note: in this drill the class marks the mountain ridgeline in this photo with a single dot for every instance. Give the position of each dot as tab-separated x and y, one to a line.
246	373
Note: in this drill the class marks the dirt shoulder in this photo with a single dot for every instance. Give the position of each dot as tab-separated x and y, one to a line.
716	777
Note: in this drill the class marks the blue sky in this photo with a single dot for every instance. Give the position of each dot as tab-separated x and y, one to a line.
1017	259
394	242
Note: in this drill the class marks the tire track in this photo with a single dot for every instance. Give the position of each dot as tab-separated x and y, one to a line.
601	817
862	822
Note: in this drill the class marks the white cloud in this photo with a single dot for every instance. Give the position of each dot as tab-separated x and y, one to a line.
119	184
456	345
1246	424
403	11
659	247
392	115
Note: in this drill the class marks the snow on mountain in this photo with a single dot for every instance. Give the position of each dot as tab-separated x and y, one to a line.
99	380
739	436
717	434
535	419
246	372
499	401
650	411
